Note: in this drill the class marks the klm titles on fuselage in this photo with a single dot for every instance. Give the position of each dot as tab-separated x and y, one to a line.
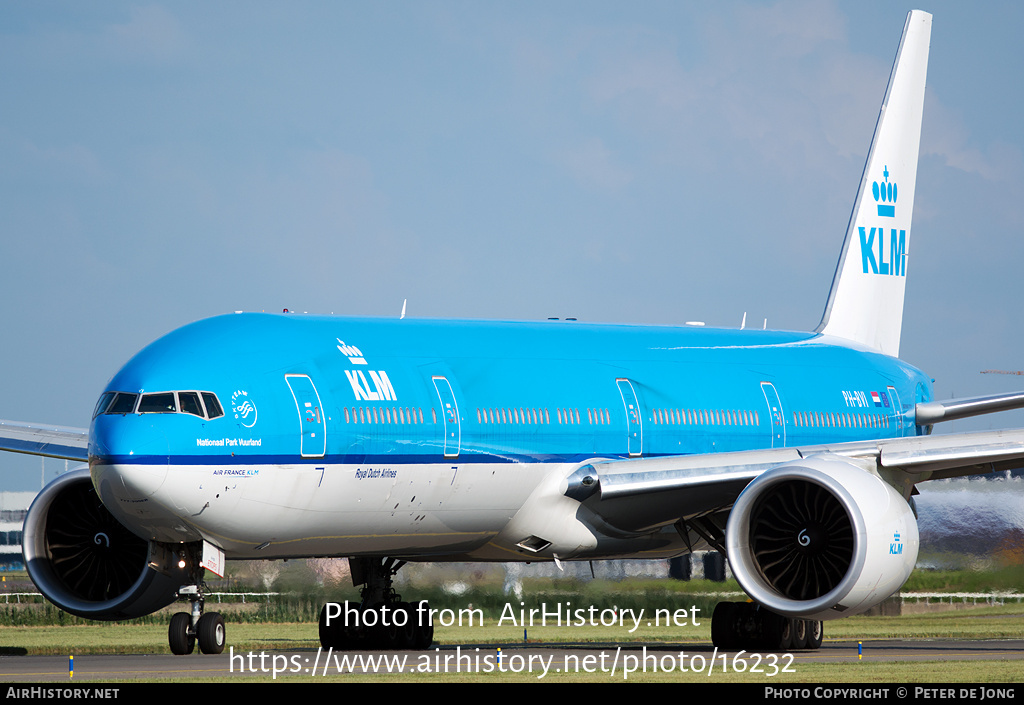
381	389
875	243
376	388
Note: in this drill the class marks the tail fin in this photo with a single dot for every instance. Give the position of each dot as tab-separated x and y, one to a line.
865	304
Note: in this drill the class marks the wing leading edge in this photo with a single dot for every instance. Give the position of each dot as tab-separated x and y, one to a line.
640	495
48	441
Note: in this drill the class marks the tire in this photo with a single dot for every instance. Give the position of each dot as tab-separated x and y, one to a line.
798	629
815	633
724	633
211	633
425	631
775	631
407	632
328	633
181	641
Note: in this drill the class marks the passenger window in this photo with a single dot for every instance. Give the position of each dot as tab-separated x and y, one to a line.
162	403
190	403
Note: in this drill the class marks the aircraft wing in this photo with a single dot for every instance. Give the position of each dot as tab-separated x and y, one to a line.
643	494
49	441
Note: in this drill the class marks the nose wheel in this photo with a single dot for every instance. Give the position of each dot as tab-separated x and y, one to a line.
187	628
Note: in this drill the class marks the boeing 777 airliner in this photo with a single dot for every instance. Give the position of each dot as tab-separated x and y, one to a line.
386	441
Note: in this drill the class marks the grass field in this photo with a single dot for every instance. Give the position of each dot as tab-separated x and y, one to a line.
287	623
999	622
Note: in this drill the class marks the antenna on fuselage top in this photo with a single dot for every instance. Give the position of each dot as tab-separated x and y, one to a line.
404	302
743	323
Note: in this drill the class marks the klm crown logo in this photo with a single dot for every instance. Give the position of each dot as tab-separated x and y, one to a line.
355	356
885	196
884	252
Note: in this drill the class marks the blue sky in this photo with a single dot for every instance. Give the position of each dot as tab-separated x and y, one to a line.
654	162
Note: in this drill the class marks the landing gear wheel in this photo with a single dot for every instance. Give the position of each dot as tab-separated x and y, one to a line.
330	634
724	625
210	632
407	632
815	633
424	625
798	629
179	634
382	633
776	631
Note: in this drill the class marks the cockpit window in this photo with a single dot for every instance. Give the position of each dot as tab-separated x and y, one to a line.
103	403
162	403
190	403
212	405
124	403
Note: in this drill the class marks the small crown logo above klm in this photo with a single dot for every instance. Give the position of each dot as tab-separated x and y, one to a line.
885	192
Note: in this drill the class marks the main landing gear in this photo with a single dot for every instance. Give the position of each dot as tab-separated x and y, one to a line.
381	620
187	628
749	626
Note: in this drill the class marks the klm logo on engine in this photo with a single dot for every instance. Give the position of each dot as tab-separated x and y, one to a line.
884	251
896	547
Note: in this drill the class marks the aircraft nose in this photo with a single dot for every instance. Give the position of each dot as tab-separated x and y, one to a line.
126	466
127	484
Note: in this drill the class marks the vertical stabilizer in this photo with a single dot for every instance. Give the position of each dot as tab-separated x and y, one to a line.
865	304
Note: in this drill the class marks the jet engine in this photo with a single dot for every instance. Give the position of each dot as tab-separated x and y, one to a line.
87	563
821	538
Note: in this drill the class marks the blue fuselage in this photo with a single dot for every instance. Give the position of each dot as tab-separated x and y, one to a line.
378	400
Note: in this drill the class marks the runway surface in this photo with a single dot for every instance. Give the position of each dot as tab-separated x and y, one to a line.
531	661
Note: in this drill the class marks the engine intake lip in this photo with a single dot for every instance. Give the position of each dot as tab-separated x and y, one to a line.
128	596
742	547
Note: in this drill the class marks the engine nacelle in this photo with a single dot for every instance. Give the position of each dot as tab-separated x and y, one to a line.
821	538
87	563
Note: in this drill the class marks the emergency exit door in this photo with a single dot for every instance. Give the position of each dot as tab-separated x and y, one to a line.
312	424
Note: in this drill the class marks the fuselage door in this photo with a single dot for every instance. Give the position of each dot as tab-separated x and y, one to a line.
450	415
634	421
312	424
897	410
778	419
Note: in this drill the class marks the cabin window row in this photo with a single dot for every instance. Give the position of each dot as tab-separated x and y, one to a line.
821	419
706	417
387	414
523	415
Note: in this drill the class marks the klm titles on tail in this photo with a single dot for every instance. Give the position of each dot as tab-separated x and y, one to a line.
885	194
896	265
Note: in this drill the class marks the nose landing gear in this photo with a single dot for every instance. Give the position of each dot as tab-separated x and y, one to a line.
186	628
